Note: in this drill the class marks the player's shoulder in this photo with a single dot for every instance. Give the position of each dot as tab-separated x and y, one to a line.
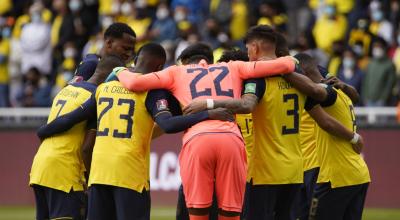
84	85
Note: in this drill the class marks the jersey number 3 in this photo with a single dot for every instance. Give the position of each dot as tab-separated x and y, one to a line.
294	112
127	117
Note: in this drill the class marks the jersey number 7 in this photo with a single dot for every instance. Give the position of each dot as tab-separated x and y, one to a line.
127	117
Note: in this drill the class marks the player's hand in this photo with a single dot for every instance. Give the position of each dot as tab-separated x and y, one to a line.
195	106
222	114
334	81
359	146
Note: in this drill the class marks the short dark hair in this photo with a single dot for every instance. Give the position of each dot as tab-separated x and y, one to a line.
232	55
117	30
281	48
154	50
197	51
306	61
108	63
260	32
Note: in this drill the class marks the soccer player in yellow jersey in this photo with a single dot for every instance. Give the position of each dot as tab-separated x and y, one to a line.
57	170
343	177
308	140
119	177
276	168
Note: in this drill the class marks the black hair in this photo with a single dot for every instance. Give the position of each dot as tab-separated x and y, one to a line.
108	63
306	61
196	52
260	32
281	47
232	55
381	41
154	50
117	30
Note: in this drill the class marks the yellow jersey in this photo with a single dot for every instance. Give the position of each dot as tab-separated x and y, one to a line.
4	52
245	122
339	163
276	157
308	141
121	154
58	163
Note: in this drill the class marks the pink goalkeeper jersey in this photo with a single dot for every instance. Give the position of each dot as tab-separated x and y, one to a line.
202	81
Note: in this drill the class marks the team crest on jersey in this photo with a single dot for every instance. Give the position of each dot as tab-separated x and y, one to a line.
162	104
250	88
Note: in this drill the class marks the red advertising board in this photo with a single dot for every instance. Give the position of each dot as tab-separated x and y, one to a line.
19	147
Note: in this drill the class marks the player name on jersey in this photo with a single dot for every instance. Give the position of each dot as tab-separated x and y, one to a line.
66	92
283	85
116	89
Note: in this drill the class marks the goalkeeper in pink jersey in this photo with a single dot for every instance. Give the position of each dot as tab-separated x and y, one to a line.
213	151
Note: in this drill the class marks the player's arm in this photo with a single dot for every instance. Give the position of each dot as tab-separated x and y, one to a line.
349	90
138	82
253	90
67	121
306	86
260	69
330	124
157	131
88	144
161	107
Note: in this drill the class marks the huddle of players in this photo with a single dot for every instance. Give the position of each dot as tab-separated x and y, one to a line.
212	160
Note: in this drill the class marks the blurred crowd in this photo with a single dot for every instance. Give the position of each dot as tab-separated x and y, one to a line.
42	41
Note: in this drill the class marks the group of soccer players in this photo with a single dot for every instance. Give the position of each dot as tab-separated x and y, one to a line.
297	156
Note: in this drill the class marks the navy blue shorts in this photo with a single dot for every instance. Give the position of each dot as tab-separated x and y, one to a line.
346	203
303	199
52	203
111	202
182	210
246	202
273	202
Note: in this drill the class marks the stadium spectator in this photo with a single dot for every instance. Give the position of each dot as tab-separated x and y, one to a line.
299	16
36	50
343	6
312	26
34	93
349	72
239	24
361	34
379	25
4	78
330	22
62	29
380	76
164	27
270	15
335	60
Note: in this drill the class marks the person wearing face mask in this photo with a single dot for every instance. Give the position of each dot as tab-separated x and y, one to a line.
361	34
332	23
380	26
349	72
164	27
380	76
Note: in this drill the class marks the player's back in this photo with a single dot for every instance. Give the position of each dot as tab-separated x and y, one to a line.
276	157
308	141
58	162
124	129
203	81
339	163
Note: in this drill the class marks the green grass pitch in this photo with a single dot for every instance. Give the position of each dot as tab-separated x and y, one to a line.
166	213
